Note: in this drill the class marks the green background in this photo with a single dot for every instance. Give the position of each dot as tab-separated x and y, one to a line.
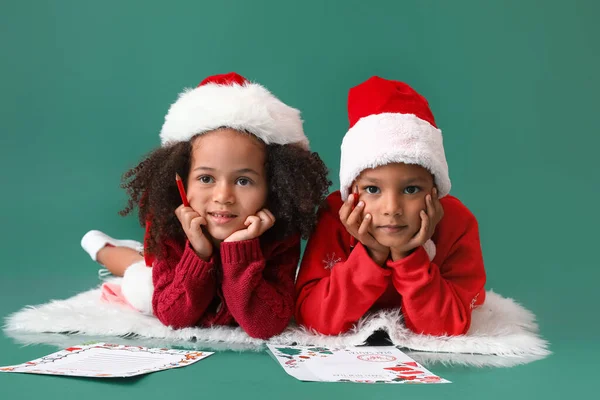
513	85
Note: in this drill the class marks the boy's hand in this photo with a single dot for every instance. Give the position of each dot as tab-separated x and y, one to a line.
358	227
429	220
192	222
256	226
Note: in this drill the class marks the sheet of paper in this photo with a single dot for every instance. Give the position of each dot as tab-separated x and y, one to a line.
383	364
104	360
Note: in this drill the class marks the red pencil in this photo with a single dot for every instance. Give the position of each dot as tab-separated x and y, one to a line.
181	190
354	203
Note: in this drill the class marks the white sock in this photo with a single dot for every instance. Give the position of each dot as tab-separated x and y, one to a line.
93	241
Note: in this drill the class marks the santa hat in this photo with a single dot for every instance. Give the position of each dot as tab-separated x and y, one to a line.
389	123
231	101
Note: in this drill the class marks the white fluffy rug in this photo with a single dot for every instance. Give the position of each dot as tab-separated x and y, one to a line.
502	332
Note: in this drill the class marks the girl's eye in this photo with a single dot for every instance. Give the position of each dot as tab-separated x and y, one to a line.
206	179
244	181
412	190
372	190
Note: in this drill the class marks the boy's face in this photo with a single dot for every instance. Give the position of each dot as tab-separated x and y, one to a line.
394	195
227	180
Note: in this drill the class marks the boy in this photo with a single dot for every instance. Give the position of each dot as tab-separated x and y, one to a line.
392	237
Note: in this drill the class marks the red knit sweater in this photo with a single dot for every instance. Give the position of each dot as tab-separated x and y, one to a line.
249	283
338	285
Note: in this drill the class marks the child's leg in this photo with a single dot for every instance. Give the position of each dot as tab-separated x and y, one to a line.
115	255
117	259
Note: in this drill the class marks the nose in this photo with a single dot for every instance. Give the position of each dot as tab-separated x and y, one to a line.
392	205
223	193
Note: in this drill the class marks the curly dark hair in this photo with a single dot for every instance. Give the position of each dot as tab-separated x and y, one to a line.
297	185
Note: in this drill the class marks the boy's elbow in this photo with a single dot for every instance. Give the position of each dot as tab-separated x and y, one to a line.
451	328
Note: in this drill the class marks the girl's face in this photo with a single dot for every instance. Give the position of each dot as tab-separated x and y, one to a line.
227	180
394	195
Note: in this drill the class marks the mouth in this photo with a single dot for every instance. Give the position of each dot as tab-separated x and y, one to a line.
392	228
221	217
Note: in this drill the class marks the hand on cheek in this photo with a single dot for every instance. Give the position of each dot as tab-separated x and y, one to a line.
192	223
357	223
256	225
430	217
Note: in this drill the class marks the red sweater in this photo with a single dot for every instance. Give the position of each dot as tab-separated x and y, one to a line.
249	283
338	285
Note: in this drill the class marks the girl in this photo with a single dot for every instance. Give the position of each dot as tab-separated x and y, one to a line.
253	187
418	248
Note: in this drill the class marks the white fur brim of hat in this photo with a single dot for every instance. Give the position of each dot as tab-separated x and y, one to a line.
249	107
381	139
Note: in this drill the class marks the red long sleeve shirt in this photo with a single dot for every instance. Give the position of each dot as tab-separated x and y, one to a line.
249	283
337	285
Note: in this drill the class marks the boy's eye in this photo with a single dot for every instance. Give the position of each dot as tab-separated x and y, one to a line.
206	179
244	181
412	190
372	189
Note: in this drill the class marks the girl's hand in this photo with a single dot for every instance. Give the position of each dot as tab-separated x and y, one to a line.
429	220
358	226
192	223
256	226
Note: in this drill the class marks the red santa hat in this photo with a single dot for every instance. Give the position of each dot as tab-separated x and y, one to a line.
389	123
230	100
